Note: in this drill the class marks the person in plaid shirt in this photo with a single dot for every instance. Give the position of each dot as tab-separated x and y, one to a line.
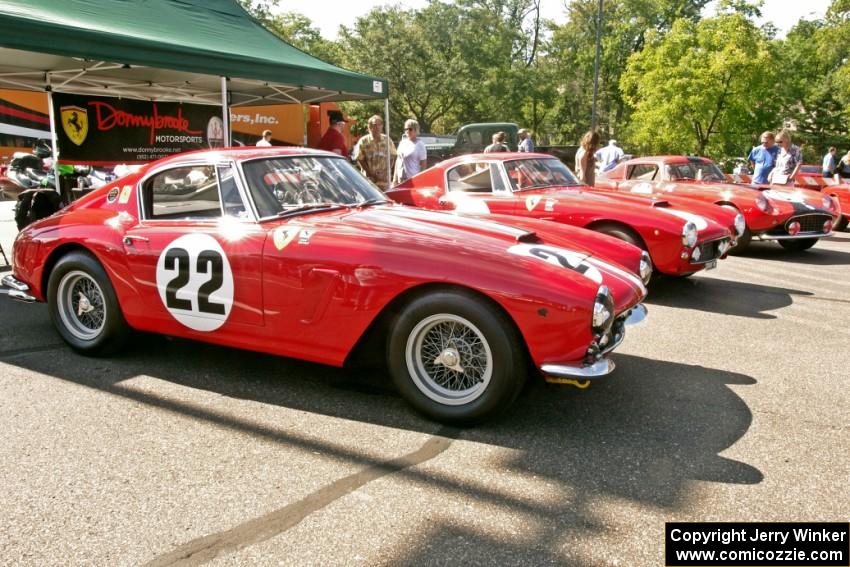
372	153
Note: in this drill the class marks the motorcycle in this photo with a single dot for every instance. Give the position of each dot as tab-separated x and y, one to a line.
26	171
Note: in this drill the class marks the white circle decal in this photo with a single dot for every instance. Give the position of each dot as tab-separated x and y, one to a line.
195	282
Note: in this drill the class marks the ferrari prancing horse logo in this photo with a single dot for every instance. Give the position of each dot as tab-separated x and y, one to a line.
75	122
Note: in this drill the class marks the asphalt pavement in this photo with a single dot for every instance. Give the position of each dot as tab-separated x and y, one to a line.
730	403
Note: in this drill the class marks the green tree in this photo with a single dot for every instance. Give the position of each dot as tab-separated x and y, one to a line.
625	28
706	87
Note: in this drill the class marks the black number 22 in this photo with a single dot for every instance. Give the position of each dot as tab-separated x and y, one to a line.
209	262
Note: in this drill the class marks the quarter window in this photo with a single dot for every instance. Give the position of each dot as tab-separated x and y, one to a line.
643	172
472	178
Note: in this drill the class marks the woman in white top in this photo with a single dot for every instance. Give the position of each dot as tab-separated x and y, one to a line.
412	156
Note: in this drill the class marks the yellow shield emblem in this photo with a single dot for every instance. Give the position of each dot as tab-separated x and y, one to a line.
75	122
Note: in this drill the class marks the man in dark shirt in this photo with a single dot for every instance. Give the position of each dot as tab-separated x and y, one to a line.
333	140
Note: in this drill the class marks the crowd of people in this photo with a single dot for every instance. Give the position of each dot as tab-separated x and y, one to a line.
775	160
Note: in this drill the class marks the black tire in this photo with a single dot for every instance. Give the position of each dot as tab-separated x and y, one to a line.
798	245
743	242
623	233
102	329
489	340
841	224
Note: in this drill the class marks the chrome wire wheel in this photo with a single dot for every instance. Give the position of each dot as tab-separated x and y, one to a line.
81	305
449	359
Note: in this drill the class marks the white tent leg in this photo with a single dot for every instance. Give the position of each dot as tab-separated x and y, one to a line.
225	114
389	150
53	147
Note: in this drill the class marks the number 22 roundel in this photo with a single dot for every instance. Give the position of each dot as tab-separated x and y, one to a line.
195	282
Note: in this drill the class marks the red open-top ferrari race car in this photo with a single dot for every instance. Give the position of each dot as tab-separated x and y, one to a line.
293	252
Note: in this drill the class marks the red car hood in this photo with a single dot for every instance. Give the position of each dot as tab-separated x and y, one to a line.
499	240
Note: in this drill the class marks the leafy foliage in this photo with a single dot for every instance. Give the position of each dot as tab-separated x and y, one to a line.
670	79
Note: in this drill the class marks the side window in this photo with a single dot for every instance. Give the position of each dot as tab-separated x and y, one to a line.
233	204
470	178
183	193
644	172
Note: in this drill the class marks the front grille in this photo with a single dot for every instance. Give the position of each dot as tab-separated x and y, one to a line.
709	251
810	223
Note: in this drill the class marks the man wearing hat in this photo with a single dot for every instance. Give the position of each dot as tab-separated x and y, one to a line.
333	140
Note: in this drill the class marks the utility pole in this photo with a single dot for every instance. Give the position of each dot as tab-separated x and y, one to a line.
596	66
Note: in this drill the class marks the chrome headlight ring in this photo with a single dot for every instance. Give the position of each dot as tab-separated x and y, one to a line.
645	268
603	311
740	224
689	234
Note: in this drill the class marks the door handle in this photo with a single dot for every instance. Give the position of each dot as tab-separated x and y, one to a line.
128	239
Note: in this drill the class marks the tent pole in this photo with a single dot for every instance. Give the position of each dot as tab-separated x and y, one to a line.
225	114
53	148
305	114
389	150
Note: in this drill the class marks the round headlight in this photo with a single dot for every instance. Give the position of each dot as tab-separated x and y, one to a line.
763	204
645	267
740	224
828	202
793	228
603	311
689	234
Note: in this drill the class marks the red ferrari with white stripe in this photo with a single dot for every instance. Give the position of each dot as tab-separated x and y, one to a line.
292	252
680	240
810	177
795	218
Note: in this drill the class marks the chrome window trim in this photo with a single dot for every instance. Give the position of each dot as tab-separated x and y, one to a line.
489	163
215	164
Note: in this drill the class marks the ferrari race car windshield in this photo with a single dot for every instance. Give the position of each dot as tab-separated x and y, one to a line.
535	173
286	183
700	170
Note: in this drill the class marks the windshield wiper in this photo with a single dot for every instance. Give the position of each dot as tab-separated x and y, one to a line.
306	208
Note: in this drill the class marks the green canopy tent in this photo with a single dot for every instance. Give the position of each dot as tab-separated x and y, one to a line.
198	51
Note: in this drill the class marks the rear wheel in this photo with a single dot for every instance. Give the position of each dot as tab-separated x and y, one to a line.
456	358
83	305
798	245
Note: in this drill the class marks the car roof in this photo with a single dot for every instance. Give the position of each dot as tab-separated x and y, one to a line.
494	156
668	159
245	152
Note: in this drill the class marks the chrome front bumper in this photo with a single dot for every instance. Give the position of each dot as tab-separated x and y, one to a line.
795	237
569	372
17	289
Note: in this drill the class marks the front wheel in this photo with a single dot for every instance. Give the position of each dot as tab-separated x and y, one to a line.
83	305
840	224
798	245
456	358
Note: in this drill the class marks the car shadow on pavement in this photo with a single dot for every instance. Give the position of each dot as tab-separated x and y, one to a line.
645	434
722	296
817	255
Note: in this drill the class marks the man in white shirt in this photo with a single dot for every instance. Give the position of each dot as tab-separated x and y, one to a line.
266	140
608	156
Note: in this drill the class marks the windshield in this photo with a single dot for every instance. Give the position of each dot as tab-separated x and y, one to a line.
539	172
699	170
285	183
